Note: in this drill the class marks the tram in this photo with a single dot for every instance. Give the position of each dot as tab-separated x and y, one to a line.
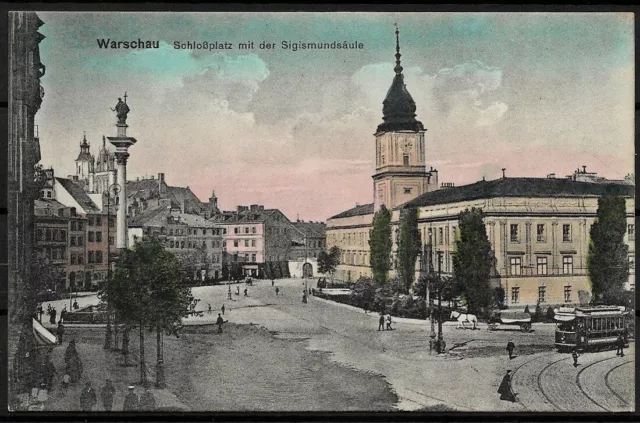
591	328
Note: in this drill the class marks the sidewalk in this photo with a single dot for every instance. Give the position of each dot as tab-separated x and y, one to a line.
98	365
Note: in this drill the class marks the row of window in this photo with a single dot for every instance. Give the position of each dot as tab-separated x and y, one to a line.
515	265
55	253
244	257
49	234
247	230
542	294
94	220
76	241
77	258
95	236
541	233
247	242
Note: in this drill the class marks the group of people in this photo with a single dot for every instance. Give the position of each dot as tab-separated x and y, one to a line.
88	398
53	313
381	322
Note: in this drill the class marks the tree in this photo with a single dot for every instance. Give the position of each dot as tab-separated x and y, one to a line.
328	262
472	260
192	262
408	247
380	245
147	290
45	275
608	262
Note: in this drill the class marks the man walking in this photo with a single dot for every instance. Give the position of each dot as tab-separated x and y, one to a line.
510	348
106	393
574	354
245	292
75	305
620	346
40	313
505	388
60	331
381	322
209	311
389	322
277	291
88	398
147	401
52	315
131	402
273	282
222	308
238	292
219	322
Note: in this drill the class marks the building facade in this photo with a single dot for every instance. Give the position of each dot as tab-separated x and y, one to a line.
538	227
309	239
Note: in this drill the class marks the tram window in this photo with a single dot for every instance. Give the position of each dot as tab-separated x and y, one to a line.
567	327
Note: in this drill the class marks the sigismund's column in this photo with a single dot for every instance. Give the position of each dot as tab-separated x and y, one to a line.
122	143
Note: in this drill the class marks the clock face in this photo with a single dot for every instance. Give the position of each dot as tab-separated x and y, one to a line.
406	145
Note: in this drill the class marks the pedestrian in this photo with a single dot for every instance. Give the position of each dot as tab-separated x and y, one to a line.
75	305
222	308
66	380
277	291
238	292
49	308
245	292
389	322
40	313
273	282
106	393
510	347
52	315
620	346
88	397
504	389
147	401
219	322
131	402
574	354
381	322
209	311
60	331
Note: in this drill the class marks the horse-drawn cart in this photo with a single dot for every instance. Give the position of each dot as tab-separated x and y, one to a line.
510	318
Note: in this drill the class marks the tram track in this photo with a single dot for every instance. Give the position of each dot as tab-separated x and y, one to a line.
608	384
584	392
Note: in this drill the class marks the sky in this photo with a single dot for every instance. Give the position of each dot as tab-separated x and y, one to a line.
535	93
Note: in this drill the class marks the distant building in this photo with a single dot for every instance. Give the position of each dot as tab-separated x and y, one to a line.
257	241
52	236
309	239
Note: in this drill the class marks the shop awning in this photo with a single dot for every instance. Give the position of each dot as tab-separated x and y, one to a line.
42	336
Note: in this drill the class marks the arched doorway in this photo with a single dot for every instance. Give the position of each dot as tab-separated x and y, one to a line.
307	270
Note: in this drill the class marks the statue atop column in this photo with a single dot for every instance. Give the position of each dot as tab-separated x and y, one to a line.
122	110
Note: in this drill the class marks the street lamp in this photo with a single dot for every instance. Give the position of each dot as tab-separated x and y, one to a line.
107	338
440	344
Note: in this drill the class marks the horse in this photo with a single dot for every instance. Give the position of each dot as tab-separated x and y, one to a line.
464	317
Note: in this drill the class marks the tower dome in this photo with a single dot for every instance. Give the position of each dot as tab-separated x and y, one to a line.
398	107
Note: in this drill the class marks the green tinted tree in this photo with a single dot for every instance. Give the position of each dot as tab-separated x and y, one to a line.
472	260
608	259
408	248
329	261
380	245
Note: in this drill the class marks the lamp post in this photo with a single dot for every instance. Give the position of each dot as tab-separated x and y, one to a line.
107	338
440	343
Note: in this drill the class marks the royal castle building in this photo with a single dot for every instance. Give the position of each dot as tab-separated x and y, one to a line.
538	227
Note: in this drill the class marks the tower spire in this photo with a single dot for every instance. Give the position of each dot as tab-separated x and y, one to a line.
398	68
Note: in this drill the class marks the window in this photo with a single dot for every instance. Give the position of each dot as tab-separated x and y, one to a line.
98	236
253	242
566	233
73	259
567	294
541	265
253	230
80	241
111	240
246	230
171	244
98	220
236	230
253	258
112	222
170	231
246	242
72	241
91	256
204	244
405	159
440	240
98	256
540	233
224	244
80	226
515	295
80	259
235	242
63	235
515	266
514	233
90	221
542	293
567	265
60	212
181	244
73	226
48	235
92	236
630	232
407	190
48	194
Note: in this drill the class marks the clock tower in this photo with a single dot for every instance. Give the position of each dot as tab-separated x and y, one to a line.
401	173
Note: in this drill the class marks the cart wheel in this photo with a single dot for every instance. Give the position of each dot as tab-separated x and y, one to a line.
526	327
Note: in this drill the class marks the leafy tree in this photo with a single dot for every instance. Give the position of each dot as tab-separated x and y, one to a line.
380	245
608	262
408	247
328	262
363	294
45	274
498	297
472	260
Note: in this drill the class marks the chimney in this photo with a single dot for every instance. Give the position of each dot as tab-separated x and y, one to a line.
242	209
584	169
254	207
160	184
504	169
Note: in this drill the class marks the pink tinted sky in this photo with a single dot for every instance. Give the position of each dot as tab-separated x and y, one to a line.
533	93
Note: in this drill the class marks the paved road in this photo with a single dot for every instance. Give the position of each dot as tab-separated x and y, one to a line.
466	379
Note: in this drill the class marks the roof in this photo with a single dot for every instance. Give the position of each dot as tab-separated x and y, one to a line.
356	211
519	187
311	229
181	194
47	202
193	220
153	217
245	216
78	194
145	188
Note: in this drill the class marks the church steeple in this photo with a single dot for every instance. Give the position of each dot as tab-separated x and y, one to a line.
84	149
398	107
